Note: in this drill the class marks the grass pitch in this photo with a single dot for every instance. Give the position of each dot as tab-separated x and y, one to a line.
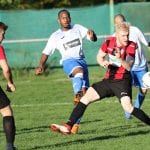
40	101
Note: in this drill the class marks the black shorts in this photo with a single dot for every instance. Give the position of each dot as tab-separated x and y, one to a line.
109	88
4	101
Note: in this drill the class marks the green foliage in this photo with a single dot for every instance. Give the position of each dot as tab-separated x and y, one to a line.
42	100
45	4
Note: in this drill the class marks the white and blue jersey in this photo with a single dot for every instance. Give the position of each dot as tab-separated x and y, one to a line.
140	66
138	37
69	43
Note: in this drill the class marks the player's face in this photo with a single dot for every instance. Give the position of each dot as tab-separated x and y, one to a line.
2	33
123	38
64	20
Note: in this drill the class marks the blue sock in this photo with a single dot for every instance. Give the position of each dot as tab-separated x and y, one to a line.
77	84
139	100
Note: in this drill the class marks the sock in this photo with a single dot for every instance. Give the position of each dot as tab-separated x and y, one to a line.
78	121
77	84
9	129
76	114
138	113
10	146
139	100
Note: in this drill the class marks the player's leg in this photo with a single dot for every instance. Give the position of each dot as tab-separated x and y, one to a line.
138	113
8	120
85	85
142	90
90	96
77	82
98	91
75	70
137	82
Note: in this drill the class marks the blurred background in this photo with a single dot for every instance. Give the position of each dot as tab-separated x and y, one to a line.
31	22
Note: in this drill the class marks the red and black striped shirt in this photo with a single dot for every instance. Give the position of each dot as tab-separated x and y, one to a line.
113	72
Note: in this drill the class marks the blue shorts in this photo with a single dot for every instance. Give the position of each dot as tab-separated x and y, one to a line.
70	64
137	77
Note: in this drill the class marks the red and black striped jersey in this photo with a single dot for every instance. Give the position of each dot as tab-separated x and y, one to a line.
114	72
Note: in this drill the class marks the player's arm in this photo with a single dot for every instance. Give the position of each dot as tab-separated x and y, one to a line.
91	35
101	59
7	75
128	63
39	70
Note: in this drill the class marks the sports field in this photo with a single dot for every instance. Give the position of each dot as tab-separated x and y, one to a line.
40	101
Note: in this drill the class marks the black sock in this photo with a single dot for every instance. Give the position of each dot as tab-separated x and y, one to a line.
138	113
9	129
76	113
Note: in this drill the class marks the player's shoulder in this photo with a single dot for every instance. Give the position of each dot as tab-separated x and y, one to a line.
78	26
134	29
56	34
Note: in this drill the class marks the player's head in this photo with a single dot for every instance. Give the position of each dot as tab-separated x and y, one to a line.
64	19
118	19
3	28
122	33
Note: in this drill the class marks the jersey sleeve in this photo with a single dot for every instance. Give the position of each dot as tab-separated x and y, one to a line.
106	44
141	37
50	46
2	53
83	31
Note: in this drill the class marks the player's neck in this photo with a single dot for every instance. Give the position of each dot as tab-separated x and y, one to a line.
66	28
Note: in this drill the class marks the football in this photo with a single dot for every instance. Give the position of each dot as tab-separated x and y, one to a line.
146	80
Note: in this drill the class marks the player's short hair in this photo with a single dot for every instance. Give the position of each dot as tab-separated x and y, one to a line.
64	10
120	16
118	19
3	26
123	26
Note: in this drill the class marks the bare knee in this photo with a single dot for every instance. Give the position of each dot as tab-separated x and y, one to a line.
90	96
127	104
77	70
6	111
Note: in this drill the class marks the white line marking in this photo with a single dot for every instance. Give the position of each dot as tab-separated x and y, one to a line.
46	39
63	104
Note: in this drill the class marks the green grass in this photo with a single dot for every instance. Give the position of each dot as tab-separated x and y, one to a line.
40	101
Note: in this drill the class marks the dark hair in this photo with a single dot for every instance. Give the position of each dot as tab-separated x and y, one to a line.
3	26
120	15
64	10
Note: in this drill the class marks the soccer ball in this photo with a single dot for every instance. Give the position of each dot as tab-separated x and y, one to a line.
146	80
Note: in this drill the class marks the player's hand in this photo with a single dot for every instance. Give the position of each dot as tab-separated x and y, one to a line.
10	87
91	35
39	71
105	64
117	52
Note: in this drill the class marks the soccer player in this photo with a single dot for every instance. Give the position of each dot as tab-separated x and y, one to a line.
140	66
116	82
5	108
68	40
